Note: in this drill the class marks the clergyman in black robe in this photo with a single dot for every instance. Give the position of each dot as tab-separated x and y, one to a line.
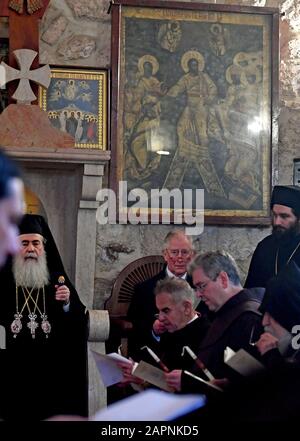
46	335
283	245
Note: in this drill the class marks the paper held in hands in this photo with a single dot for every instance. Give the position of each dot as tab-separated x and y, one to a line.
242	362
111	373
151	405
108	368
151	374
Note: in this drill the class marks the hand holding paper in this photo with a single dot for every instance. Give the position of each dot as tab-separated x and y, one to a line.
152	375
108	368
173	379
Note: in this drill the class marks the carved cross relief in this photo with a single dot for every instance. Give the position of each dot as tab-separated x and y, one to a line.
23	14
41	76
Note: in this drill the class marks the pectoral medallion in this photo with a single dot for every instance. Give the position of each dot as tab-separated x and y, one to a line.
32	325
46	327
16	325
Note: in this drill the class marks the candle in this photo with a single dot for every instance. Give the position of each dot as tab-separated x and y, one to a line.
155	357
198	362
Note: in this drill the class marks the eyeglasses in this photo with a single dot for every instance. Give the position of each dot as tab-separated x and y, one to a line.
201	286
183	253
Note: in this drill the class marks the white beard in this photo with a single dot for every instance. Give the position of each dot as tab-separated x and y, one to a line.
31	272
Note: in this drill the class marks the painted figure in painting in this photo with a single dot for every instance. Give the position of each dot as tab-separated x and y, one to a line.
239	122
192	125
143	119
218	39
169	35
79	128
71	124
63	115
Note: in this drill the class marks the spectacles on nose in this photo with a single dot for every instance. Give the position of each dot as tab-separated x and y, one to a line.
201	286
176	253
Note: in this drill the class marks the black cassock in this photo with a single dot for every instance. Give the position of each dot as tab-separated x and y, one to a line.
263	263
43	376
172	344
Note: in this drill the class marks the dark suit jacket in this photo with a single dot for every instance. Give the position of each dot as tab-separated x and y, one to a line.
141	313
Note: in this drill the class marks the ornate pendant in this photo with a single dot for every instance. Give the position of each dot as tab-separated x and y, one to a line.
16	325
46	327
32	325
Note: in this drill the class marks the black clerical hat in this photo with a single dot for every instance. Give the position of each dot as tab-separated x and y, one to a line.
282	297
33	224
36	224
287	195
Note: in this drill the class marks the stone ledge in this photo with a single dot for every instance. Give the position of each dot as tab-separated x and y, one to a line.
71	155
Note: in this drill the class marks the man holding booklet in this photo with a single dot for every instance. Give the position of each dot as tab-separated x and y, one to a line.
217	282
184	329
273	393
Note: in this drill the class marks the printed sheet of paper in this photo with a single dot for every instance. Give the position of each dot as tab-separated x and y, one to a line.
108	368
151	405
242	362
152	374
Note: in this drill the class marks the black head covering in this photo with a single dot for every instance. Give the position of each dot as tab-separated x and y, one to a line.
36	224
287	195
282	297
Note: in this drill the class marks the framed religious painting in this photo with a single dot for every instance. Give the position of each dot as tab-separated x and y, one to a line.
76	102
194	108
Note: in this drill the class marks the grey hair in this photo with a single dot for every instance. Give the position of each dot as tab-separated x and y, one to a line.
176	233
179	289
213	262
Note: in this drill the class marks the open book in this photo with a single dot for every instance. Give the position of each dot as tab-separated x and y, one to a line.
151	405
242	362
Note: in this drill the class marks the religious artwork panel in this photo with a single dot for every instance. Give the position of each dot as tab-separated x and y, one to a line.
76	103
194	104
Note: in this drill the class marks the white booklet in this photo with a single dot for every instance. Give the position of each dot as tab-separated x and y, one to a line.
242	362
152	374
151	405
108	368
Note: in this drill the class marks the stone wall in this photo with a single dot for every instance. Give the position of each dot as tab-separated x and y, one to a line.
77	33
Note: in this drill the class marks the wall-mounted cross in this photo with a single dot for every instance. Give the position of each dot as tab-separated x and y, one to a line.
23	32
41	76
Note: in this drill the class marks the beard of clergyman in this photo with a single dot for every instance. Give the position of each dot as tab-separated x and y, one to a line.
285	235
31	272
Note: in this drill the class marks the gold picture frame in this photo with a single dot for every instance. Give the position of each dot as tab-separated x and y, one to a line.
195	103
76	102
